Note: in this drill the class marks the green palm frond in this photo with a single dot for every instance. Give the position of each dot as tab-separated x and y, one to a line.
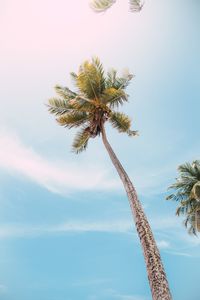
114	97
100	72
190	170
101	5
189	223
81	104
74	119
90	79
73	76
120	121
81	140
113	81
192	222
58	106
65	92
136	5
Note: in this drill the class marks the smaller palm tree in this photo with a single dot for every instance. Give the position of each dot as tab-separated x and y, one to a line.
103	5
187	193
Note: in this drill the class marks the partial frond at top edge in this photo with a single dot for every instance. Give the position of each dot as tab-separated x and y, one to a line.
101	5
136	5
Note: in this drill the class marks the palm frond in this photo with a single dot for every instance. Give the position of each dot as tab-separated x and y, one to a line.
90	79
100	72
65	92
132	132
81	140
59	106
190	170
82	104
136	5
73	77
114	97
101	5
113	81
74	119
120	121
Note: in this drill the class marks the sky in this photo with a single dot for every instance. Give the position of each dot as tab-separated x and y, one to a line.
66	230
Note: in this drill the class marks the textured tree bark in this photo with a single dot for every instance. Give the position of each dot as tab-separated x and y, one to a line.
155	270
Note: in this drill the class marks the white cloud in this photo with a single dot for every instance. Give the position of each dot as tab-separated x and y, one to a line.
58	176
162	244
177	253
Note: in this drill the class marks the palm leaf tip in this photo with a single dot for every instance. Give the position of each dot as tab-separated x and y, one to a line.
58	106
81	140
136	5
101	5
133	133
122	123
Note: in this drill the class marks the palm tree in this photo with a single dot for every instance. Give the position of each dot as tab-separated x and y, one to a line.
93	104
103	5
187	193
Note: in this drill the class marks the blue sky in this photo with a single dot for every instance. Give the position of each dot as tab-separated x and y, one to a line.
66	231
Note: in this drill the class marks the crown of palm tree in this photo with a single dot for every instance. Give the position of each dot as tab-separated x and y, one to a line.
187	187
93	103
103	5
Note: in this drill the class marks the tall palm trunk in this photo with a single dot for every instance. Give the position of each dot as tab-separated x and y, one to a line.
155	270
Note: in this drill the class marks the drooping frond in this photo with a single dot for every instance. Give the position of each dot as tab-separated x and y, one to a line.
136	5
74	119
120	121
114	97
81	140
90	79
101	5
192	221
189	223
58	106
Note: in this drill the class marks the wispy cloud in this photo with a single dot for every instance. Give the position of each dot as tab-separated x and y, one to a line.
58	176
184	245
17	230
162	244
177	253
74	226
